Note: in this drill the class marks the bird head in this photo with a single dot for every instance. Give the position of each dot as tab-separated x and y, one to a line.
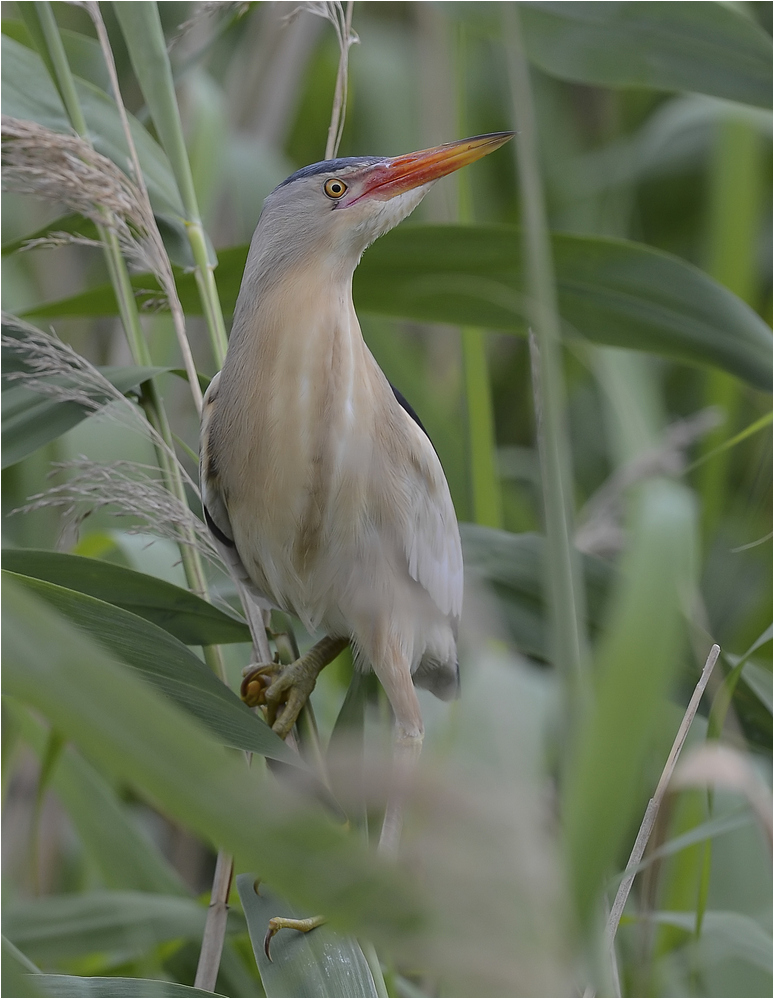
333	210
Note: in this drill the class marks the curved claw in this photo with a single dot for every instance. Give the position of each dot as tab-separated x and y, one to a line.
257	680
278	923
284	690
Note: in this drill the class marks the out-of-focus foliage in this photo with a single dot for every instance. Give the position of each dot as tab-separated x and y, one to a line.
654	135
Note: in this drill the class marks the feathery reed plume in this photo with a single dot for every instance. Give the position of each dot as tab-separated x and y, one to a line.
133	490
48	366
65	168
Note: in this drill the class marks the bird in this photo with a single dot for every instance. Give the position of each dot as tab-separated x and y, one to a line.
319	483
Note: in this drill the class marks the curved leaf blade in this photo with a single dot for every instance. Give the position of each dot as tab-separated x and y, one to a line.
65	926
28	93
704	47
190	619
136	734
166	663
707	48
75	986
320	963
611	291
123	856
31	419
82	51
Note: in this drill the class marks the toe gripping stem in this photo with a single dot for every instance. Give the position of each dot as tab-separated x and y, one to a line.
283	690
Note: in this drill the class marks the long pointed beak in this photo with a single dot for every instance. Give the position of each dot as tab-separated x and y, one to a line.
403	173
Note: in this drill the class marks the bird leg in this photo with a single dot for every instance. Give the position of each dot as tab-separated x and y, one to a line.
273	685
284	690
394	673
406	752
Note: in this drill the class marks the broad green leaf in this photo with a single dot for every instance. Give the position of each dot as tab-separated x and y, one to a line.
31	419
636	660
65	926
707	830
319	963
19	974
166	663
75	986
82	52
141	27
758	680
189	618
107	988
704	47
124	857
72	224
512	565
28	93
724	935
611	291
709	48
138	735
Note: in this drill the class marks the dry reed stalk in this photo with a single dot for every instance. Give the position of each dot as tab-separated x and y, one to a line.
651	812
166	277
341	20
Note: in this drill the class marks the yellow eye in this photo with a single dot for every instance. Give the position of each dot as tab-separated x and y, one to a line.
335	188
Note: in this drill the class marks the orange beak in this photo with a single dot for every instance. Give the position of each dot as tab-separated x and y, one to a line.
403	173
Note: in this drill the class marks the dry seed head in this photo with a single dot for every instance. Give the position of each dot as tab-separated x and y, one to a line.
132	490
52	368
64	168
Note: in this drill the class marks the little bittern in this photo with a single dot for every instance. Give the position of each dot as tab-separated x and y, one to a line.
319	483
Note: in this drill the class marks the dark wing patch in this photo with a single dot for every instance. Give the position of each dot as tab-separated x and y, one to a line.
406	405
223	538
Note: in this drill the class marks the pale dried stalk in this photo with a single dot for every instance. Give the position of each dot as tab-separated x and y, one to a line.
651	812
339	112
215	928
600	531
167	279
341	20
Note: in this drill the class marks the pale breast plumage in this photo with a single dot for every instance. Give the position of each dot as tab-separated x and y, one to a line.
382	517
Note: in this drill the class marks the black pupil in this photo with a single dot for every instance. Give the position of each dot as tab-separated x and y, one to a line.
336	188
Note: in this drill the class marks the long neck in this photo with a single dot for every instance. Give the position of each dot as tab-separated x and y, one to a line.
298	356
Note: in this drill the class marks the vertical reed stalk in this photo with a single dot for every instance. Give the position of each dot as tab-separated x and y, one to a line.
217	913
734	211
50	37
486	498
567	606
167	278
144	36
342	21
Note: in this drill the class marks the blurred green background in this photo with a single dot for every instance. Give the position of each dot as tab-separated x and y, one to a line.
653	125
